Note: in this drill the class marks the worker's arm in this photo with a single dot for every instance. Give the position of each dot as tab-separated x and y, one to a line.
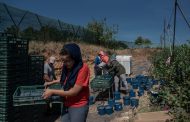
102	64
72	92
46	84
111	67
46	78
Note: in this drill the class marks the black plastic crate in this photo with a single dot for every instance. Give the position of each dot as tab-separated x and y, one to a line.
8	48
7	53
8	41
2	34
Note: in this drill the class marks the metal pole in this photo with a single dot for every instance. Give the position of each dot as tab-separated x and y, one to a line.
164	33
175	12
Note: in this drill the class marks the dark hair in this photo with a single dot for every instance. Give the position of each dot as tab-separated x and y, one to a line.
64	51
73	50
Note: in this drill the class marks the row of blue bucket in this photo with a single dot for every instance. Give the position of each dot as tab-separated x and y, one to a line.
117	95
142	82
117	106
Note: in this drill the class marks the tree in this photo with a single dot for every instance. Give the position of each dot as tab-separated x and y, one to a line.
147	42
140	41
12	29
29	33
103	33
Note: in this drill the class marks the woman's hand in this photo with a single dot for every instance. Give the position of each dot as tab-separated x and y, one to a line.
46	84
47	93
57	81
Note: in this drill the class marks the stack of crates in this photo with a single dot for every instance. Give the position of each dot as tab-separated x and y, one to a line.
36	69
13	65
30	113
22	60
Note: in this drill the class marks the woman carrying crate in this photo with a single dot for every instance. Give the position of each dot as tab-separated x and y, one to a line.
75	82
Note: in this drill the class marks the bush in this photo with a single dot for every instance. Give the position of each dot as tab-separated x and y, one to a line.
175	91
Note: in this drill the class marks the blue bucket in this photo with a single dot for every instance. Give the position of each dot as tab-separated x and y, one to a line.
141	87
134	102
135	86
111	102
155	82
117	95
135	81
91	100
101	110
118	106
140	93
126	100
129	80
139	76
132	93
109	109
148	86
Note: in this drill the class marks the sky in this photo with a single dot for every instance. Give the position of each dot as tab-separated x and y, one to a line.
134	17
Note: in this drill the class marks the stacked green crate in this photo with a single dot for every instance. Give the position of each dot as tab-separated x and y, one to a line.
36	69
102	82
31	113
22	60
13	71
7	75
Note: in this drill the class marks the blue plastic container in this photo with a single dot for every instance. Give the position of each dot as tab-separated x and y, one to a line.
139	76
132	93
118	106
109	109
155	82
135	86
91	100
140	93
129	80
135	81
111	102
126	100
141	87
101	110
134	102
148	86
117	95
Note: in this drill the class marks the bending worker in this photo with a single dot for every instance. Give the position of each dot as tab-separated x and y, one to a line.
119	73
